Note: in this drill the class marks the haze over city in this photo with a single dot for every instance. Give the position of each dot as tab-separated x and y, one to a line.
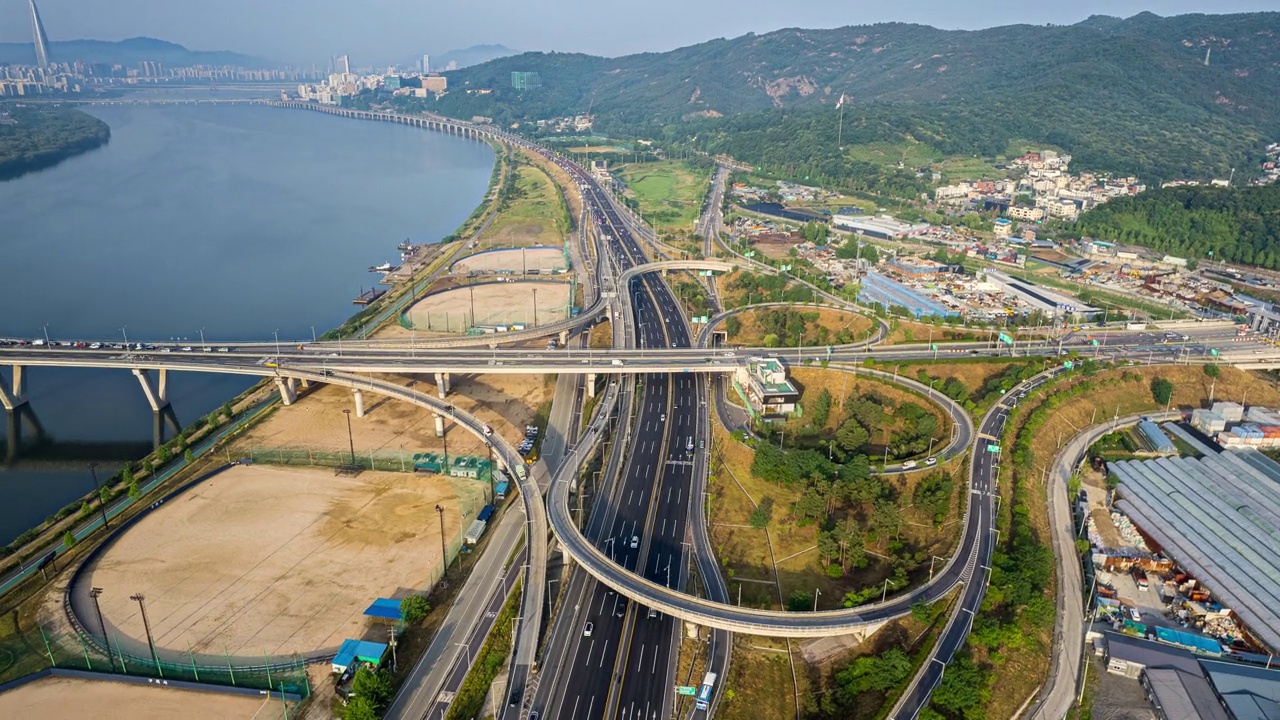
386	31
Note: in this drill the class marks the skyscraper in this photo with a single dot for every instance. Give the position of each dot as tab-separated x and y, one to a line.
426	64
41	40
343	64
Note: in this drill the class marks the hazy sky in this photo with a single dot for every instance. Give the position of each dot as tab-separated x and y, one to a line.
381	31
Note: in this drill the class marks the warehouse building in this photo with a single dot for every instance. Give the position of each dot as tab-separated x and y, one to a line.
884	227
1046	300
1218	516
877	288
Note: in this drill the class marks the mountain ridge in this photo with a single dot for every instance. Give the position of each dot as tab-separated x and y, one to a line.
129	51
1146	71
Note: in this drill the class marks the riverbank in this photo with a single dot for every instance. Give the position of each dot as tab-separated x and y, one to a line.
34	138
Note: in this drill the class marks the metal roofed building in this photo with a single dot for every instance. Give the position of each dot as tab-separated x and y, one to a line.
884	227
1042	298
1174	680
1219	517
1250	693
1156	438
877	288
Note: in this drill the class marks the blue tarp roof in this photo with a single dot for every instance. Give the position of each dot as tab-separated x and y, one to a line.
385	608
353	650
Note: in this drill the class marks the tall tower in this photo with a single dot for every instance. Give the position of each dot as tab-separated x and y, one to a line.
41	40
426	64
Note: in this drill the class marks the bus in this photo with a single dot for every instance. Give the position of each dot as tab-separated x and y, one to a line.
704	694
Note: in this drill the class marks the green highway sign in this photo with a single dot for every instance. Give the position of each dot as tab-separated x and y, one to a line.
1006	339
1068	365
686	690
749	254
1093	342
993	448
1214	352
785	268
934	347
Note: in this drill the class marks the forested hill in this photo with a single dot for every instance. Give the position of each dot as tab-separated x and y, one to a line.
1239	225
32	138
1147	72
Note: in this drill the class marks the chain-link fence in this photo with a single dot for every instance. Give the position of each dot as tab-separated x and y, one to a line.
27	652
460	466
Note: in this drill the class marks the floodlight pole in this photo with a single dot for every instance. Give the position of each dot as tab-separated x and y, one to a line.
444	558
140	598
102	504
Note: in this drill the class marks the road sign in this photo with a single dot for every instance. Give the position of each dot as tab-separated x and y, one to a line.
1093	342
785	268
749	254
1006	339
993	449
686	690
1213	352
1068	365
934	347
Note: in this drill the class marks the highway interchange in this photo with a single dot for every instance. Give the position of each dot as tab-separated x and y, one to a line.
639	541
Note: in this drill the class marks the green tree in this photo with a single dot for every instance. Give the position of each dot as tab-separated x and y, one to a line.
963	687
227	410
732	326
1213	371
85	509
875	672
414	608
189	456
852	436
762	513
920	611
360	708
373	685
134	491
68	539
1162	390
163	454
821	410
771	340
126	473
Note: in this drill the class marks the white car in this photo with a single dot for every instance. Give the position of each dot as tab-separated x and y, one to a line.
931	462
635	541
908	465
586	629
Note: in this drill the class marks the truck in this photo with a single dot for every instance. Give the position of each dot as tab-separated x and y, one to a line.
703	701
1140	578
475	532
616	361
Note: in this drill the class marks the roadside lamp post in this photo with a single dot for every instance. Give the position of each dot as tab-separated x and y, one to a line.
45	327
140	598
351	442
493	491
313	334
102	503
204	345
276	333
816	593
122	332
935	557
467	649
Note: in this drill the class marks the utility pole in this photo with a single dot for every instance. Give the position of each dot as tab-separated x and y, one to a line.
444	559
140	599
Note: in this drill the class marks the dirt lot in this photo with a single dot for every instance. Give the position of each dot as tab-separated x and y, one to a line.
495	304
277	560
535	258
103	700
751	333
505	402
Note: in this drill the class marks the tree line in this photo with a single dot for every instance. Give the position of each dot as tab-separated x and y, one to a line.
40	137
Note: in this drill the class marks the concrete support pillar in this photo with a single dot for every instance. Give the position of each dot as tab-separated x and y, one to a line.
158	394
359	397
442	384
439	425
305	383
287	394
591	385
15	395
448	383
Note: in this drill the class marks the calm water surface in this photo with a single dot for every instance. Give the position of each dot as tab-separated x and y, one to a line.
237	220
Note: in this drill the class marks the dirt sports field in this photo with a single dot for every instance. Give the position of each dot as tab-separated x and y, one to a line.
56	697
505	402
495	304
543	259
267	560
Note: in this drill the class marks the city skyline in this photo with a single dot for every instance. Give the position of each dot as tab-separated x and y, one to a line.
276	30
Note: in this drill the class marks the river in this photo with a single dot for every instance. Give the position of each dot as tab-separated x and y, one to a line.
236	220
